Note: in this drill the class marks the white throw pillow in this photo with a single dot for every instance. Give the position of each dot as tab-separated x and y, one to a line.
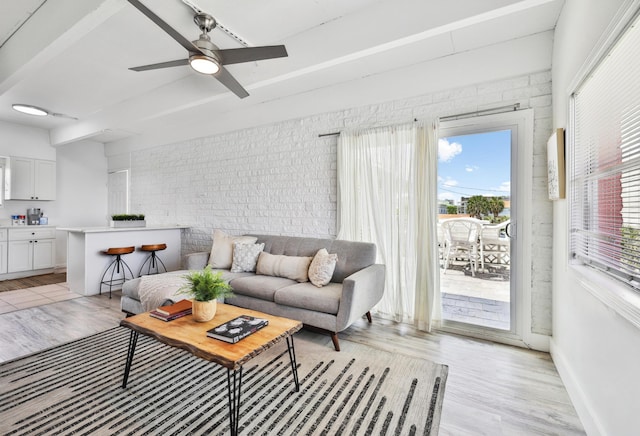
322	267
222	249
278	265
245	256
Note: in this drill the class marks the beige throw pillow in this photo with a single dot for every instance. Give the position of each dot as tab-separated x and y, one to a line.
222	250
291	267
322	267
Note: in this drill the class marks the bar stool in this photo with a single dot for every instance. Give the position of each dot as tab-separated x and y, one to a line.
117	267
153	260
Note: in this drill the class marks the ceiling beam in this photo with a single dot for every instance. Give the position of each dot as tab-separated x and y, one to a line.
55	26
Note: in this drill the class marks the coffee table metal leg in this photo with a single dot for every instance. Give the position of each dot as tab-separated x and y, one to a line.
234	385
133	339
294	364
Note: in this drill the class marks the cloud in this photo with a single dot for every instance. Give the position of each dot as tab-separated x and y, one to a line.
470	168
448	150
449	182
505	187
447	196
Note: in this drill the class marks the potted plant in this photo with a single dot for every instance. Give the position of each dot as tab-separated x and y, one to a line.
128	220
205	287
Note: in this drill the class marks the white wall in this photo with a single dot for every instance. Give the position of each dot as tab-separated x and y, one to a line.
597	352
281	178
82	189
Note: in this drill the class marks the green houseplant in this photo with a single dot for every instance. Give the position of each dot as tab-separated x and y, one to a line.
205	287
128	220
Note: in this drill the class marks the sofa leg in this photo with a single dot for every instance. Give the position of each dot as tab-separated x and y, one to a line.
369	317
336	343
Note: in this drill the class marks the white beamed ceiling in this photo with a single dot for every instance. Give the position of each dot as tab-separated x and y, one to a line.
73	57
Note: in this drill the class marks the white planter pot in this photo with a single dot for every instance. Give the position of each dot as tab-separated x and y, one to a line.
129	223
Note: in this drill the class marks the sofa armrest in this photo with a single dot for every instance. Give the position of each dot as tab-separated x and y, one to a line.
196	260
360	292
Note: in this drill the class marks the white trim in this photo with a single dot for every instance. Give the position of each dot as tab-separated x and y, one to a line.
522	124
615	295
611	34
620	298
580	401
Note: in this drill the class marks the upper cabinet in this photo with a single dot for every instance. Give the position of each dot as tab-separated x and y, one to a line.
32	179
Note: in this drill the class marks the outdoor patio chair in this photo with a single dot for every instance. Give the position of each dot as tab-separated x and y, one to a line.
462	241
496	245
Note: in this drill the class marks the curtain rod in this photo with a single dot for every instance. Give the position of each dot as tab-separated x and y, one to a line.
321	135
495	110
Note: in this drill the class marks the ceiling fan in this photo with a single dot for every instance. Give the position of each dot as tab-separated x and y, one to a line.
204	56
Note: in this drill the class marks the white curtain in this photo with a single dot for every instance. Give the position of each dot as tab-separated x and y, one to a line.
387	195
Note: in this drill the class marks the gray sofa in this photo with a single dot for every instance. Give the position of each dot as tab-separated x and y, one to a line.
356	286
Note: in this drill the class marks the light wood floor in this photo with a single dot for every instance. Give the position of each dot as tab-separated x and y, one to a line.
492	389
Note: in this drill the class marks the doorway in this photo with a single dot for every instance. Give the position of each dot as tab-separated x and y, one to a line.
494	159
474	214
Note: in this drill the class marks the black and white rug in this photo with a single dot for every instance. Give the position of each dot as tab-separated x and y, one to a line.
75	388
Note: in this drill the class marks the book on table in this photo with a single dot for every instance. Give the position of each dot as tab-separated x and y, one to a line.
173	311
174	308
162	316
237	329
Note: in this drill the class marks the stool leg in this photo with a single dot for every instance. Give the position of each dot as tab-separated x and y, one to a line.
115	266
161	263
104	275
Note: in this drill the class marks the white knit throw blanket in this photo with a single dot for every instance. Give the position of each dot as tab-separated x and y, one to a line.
156	289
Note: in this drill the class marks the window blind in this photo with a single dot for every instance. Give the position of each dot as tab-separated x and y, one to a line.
605	163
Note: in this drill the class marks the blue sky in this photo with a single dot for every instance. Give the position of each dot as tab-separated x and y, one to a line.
475	164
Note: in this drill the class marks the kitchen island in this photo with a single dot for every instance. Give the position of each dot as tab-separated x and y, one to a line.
86	263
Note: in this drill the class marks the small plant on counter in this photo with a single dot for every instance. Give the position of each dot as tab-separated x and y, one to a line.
127	217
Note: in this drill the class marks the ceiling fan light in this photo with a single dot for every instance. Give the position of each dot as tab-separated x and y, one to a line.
31	110
204	64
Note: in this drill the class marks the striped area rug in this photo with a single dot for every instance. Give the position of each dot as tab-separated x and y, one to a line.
76	389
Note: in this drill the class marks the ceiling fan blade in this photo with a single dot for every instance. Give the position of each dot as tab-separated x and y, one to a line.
177	63
230	82
164	26
249	54
55	114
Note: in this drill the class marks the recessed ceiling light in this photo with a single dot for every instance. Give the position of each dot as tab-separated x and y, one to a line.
31	110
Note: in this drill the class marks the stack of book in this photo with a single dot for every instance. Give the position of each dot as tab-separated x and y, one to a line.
238	328
173	311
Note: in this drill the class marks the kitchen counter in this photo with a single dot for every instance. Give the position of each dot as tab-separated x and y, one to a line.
49	226
86	263
119	229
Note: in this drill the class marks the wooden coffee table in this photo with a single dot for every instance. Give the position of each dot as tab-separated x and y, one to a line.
189	335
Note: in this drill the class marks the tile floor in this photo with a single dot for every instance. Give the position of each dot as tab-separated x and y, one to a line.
34	297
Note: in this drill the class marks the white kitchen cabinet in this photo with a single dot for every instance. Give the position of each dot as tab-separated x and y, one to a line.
31	249
32	179
3	251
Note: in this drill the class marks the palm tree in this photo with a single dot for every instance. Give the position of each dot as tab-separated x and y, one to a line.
496	205
477	206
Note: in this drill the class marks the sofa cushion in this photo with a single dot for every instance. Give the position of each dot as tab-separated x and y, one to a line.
245	257
322	267
307	296
262	287
292	267
352	256
222	248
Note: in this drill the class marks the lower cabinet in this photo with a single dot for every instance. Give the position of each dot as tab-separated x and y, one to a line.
31	249
3	251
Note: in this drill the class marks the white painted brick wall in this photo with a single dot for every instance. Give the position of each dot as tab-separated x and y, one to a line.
281	178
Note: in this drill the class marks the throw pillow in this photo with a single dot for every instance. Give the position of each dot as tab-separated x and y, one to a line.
245	256
291	267
322	267
222	250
